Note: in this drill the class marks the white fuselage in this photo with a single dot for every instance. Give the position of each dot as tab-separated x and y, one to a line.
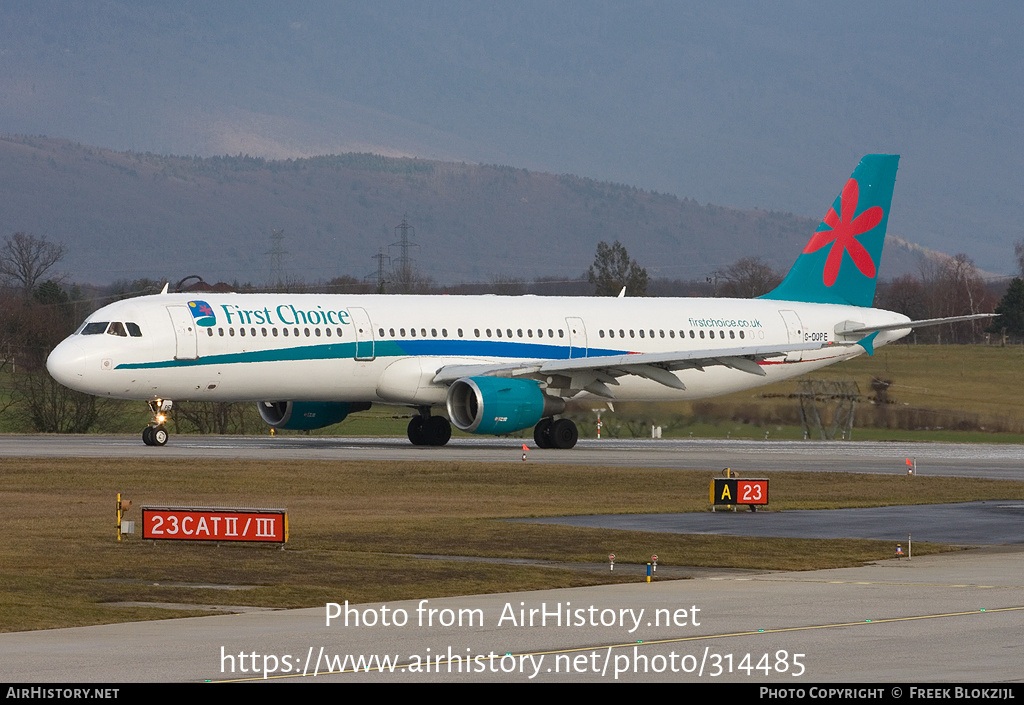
387	348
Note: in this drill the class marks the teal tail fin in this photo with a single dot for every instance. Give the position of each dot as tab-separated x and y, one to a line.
840	263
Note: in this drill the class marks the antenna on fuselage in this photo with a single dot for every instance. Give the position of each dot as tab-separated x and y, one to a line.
199	280
164	290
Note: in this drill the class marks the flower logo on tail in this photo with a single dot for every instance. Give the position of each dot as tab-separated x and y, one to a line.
843	235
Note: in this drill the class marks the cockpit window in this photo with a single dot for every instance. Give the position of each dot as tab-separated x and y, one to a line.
116	328
95	328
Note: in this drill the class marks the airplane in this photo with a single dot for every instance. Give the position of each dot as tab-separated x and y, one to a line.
498	364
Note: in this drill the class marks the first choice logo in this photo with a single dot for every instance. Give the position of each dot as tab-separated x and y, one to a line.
285	314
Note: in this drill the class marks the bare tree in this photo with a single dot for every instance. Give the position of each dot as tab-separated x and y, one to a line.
24	259
1018	251
504	285
346	284
748	277
52	407
961	291
214	417
36	324
905	295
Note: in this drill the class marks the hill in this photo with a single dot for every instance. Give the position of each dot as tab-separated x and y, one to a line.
125	215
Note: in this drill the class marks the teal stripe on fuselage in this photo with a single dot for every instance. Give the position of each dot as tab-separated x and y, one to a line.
388	348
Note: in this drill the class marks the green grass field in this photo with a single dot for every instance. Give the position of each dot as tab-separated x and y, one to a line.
359	531
954	393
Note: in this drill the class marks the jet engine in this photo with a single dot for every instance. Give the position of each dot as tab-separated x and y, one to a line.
306	415
499	405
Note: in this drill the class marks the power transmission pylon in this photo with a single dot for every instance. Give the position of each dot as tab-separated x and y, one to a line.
404	269
277	253
381	281
821	399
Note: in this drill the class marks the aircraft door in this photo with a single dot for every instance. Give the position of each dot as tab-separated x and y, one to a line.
364	333
186	341
577	337
796	333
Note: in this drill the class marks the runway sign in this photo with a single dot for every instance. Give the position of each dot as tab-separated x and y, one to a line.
737	491
215	524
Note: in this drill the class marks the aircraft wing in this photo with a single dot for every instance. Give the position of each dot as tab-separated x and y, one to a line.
594	374
919	324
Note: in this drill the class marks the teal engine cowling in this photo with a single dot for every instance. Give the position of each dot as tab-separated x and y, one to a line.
307	415
497	405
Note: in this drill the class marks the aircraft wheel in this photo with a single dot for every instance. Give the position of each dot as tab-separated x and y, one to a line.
147	435
415	431
542	433
564	434
159	436
437	430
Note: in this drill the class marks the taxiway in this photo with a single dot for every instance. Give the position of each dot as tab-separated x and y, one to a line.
996	461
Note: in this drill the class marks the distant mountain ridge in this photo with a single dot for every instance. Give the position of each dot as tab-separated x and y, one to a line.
128	215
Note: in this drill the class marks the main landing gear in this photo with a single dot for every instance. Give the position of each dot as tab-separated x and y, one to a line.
427	430
549	433
155	434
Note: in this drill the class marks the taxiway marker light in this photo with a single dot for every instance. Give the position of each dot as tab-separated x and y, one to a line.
611	561
123	527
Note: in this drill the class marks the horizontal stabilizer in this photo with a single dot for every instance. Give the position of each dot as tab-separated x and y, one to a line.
919	324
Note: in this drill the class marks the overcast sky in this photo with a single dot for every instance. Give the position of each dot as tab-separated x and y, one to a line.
740	104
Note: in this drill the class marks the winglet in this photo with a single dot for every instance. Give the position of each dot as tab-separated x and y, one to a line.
868	343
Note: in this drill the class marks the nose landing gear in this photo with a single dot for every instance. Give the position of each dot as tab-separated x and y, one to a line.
155	434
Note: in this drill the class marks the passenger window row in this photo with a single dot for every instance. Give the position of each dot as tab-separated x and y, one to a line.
611	333
117	329
392	332
477	333
273	332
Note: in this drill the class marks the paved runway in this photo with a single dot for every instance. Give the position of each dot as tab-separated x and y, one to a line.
953	618
949	459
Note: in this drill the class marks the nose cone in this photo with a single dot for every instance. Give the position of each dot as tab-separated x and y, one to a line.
66	364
